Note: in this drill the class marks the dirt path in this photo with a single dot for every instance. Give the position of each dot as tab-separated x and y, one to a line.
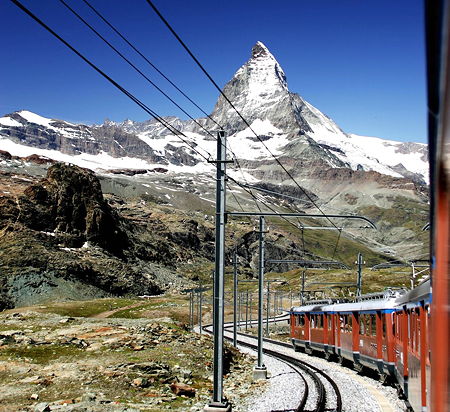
108	313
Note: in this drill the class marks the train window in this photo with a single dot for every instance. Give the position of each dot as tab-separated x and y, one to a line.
362	324
367	325
301	320
383	317
373	325
346	323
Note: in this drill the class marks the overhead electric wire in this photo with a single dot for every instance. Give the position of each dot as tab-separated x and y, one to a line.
141	73
300	227
235	198
337	243
263	202
123	90
260	189
133	65
112	81
148	61
232	105
107	77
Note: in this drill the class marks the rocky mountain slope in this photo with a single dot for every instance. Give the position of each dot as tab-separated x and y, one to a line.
61	238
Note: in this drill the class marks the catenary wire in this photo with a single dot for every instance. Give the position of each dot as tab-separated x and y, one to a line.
133	65
299	227
233	107
234	197
112	81
148	61
140	72
117	85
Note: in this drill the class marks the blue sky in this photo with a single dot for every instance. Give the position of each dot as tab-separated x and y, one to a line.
361	62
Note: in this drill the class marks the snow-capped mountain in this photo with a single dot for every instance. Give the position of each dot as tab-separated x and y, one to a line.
289	126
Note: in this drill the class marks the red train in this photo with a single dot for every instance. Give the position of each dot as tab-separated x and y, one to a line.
396	334
386	332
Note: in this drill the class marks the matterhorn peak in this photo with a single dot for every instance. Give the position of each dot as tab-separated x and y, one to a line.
260	50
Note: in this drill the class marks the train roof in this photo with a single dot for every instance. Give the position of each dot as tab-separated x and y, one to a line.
419	293
371	305
374	301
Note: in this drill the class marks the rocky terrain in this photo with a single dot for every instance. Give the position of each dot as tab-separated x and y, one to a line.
61	238
67	233
50	362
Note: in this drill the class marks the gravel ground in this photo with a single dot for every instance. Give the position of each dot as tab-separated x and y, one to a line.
281	376
359	393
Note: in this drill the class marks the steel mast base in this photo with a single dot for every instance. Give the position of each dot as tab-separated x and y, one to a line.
259	372
217	407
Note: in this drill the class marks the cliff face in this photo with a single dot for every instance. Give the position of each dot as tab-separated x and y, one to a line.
70	202
45	227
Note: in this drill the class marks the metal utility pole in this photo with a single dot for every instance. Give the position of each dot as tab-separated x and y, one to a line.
269	281
235	291
239	310
268	309
359	262
191	310
302	297
251	308
260	370
219	403
246	310
200	309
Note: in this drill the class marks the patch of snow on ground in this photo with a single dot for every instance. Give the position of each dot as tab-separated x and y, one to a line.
372	153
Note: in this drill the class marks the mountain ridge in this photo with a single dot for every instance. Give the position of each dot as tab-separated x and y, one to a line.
290	126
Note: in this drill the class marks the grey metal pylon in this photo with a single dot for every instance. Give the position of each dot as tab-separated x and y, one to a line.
260	370
359	262
235	291
219	403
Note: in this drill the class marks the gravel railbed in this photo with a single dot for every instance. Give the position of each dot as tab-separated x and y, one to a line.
283	392
359	393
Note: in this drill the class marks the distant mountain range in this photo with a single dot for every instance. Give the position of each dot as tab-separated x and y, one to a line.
291	127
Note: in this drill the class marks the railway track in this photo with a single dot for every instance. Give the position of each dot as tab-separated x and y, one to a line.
317	384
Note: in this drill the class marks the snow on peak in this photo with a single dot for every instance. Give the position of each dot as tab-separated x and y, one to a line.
260	50
35	118
9	122
262	76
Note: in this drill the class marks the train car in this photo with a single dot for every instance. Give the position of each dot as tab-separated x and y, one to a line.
386	332
355	331
364	334
307	331
411	331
